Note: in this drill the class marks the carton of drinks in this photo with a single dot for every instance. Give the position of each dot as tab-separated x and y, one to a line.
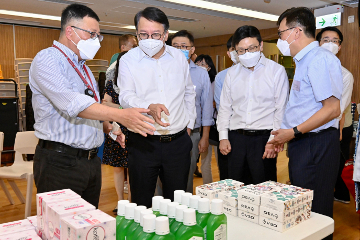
89	225
211	190
24	235
15	227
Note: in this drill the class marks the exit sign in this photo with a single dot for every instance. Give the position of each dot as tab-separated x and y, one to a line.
333	19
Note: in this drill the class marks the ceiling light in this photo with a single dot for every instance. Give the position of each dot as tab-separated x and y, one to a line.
29	15
226	9
133	27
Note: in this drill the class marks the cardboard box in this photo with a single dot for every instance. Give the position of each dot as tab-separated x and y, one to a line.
282	200
248	216
252	193
24	235
230	198
307	194
90	225
33	220
248	207
211	190
56	211
16	226
230	210
275	225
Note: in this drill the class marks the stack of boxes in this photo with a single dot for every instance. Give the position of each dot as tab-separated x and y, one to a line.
22	229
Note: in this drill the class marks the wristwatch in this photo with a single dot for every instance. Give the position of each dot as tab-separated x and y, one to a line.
297	133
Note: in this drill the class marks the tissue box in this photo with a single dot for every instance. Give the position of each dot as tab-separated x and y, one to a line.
24	235
248	207
56	211
275	225
283	199
252	193
230	210
230	198
90	225
211	190
248	216
16	226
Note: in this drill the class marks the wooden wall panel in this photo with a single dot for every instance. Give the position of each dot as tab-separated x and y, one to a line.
7	51
109	46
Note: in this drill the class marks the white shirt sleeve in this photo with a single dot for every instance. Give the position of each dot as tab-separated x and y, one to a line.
189	98
225	109
347	92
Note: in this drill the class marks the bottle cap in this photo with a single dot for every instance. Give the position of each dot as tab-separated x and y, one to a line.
149	223
130	210
189	217
180	213
185	199
162	226
203	205
156	203
164	206
121	207
177	195
194	202
142	214
171	211
137	212
217	206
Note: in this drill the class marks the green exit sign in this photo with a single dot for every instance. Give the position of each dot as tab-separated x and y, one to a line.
333	19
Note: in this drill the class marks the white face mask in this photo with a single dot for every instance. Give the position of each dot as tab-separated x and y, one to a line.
234	57
250	59
284	46
87	48
332	47
151	46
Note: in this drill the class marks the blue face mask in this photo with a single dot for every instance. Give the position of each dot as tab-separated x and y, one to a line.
186	53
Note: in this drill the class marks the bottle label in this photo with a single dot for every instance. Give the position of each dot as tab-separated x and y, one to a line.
205	233
220	232
196	238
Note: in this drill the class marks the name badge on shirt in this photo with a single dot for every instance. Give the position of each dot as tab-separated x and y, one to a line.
296	85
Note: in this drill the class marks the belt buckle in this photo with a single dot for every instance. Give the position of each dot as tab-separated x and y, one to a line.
165	139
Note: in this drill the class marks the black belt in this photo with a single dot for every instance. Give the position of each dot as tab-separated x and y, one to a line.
253	132
310	134
66	149
167	138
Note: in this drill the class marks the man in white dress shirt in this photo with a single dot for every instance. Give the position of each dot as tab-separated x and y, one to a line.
252	103
156	77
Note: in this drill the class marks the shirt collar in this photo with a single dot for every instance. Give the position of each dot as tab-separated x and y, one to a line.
73	57
142	54
306	50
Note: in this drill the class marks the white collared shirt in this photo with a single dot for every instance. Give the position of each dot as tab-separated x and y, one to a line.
145	81
253	100
345	103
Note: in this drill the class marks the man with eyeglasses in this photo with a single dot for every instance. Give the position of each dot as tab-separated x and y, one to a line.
156	76
310	125
67	110
331	38
252	104
184	41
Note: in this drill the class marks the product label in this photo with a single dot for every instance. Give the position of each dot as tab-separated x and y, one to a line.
196	238
205	233
220	232
97	233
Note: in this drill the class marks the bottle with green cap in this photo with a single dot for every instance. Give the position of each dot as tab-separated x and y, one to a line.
178	218
194	202
124	225
162	231
156	204
139	229
203	213
164	206
216	228
190	229
136	223
185	199
149	227
121	211
171	212
177	196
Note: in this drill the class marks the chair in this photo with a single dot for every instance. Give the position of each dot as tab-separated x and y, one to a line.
25	143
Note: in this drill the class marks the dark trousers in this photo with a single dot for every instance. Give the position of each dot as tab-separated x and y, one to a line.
150	158
245	159
55	171
223	165
341	191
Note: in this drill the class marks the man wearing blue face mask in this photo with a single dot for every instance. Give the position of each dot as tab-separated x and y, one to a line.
184	41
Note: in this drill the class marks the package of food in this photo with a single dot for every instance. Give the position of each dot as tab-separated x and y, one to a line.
24	235
16	226
248	207
248	216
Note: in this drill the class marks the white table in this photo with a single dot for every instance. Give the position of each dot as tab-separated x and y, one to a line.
315	228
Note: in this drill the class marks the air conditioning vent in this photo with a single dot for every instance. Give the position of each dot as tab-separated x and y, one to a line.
68	2
181	19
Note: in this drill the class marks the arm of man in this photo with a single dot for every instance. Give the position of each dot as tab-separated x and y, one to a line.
347	91
189	98
217	91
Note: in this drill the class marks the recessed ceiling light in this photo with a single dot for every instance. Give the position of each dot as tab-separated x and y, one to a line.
30	15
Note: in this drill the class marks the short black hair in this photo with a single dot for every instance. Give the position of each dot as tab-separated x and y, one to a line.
76	11
212	72
333	29
300	16
152	14
229	43
184	33
246	31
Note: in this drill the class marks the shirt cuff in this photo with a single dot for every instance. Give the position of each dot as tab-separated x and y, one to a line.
191	124
271	137
223	135
79	104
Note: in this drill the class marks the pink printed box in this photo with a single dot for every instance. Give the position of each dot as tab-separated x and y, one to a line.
24	235
16	226
211	190
56	211
90	225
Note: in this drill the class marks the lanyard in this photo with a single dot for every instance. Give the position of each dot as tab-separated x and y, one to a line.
79	73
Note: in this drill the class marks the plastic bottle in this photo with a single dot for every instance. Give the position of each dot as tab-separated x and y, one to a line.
156	204
162	231
149	227
216	228
120	211
164	206
190	229
136	223
194	202
139	229
171	212
177	195
185	199
125	223
178	219
203	213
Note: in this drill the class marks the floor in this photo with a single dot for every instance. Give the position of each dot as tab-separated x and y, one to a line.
347	222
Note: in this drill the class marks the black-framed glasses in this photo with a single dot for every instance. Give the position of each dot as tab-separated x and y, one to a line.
242	51
93	35
327	40
280	32
155	36
182	47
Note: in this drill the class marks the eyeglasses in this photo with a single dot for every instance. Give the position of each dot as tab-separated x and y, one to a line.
155	36
242	51
280	32
93	35
327	40
182	47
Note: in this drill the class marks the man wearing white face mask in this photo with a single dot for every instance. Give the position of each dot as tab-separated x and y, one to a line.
67	110
156	76
252	103
331	38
